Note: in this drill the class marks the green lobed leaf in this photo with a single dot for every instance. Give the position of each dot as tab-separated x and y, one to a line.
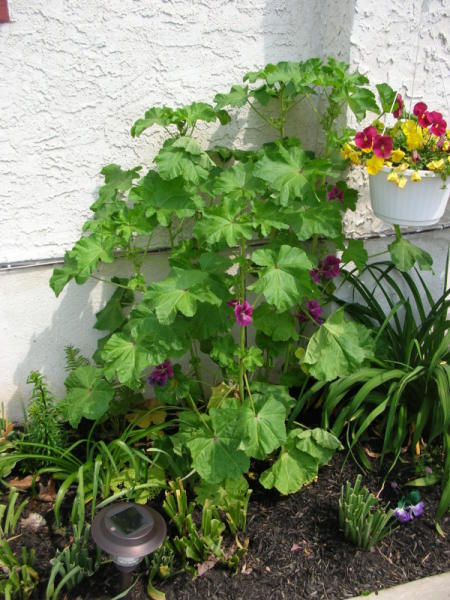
404	255
184	158
284	278
125	358
226	222
387	95
264	428
215	453
280	327
88	395
280	393
324	220
236	97
356	253
87	253
118	179
286	172
317	442
180	292
338	348
291	471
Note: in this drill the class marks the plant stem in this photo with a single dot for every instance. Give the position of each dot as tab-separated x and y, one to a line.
195	362
249	392
288	356
242	338
398	234
283	114
261	115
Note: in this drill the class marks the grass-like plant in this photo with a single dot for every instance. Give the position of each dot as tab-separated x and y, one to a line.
19	578
10	515
361	519
405	393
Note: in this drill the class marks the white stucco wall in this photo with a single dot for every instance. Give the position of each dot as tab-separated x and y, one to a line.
75	75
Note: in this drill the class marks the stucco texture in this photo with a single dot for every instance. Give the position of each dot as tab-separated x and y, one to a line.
76	75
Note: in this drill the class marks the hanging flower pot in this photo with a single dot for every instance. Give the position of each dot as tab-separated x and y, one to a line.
408	161
418	203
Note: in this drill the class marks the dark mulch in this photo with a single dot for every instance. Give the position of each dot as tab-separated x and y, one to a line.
296	550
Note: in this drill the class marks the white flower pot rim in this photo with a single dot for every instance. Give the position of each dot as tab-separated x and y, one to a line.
409	172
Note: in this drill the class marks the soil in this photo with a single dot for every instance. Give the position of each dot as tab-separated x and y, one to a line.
295	549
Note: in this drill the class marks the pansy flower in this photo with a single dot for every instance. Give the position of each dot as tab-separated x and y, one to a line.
364	139
382	146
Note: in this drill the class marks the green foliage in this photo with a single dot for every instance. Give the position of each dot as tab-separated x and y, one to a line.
338	348
196	544
18	578
42	425
75	562
299	460
407	386
361	520
10	515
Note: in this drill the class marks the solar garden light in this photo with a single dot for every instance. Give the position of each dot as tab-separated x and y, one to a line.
128	532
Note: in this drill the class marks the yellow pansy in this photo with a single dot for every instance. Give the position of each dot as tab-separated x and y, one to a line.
445	146
397	155
401	167
416	177
413	133
393	177
374	164
402	181
436	165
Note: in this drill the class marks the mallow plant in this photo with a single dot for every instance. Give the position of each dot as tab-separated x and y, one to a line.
253	237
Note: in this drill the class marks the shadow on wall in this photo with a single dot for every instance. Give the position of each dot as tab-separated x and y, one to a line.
49	324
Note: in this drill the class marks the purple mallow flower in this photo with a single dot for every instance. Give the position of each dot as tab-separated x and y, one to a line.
328	269
336	194
314	310
243	313
161	374
316	275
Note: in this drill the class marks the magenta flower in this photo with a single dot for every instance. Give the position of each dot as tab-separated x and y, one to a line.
314	310
397	112
382	146
330	267
438	125
243	313
364	139
419	108
316	274
336	194
424	120
232	303
161	374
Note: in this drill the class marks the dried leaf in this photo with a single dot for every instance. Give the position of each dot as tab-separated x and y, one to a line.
207	565
47	492
22	484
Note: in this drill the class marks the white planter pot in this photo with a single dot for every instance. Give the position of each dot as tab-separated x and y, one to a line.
418	203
